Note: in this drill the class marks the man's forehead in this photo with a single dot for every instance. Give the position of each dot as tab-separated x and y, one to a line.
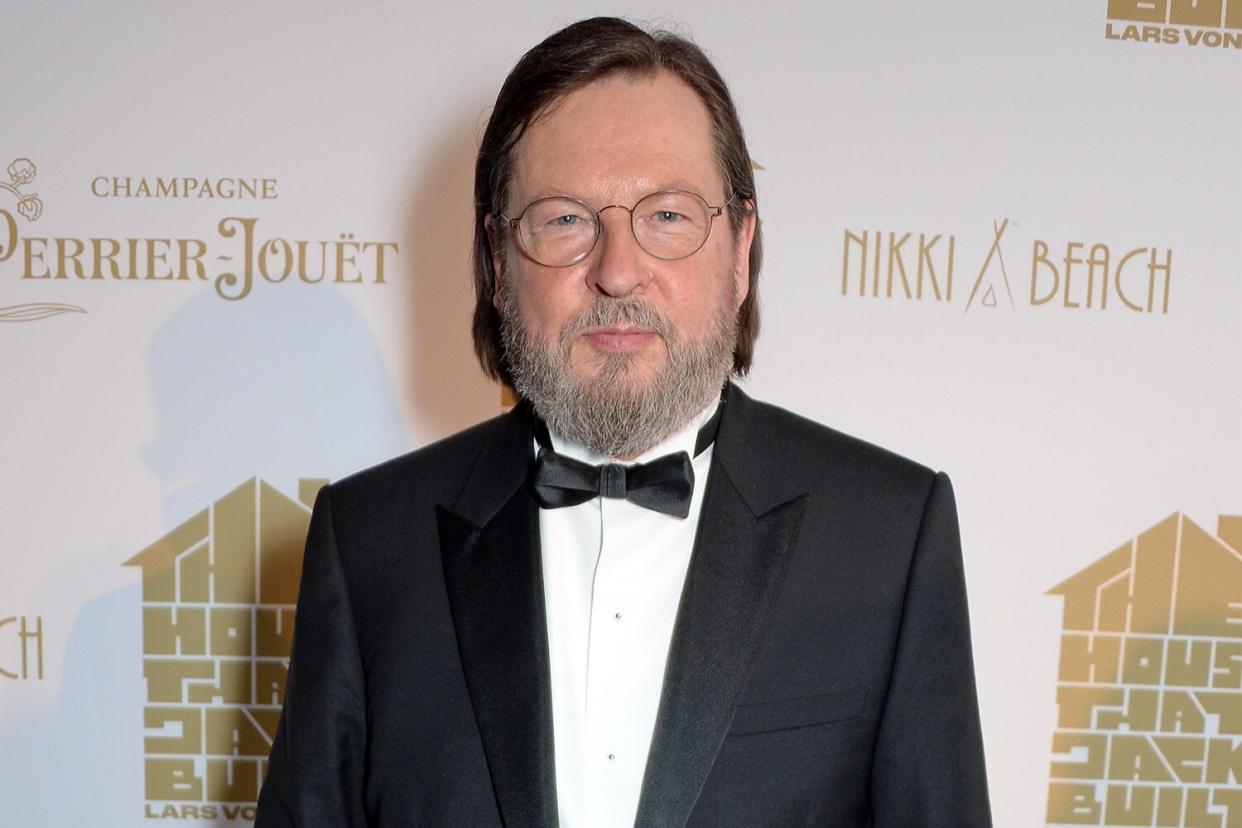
619	136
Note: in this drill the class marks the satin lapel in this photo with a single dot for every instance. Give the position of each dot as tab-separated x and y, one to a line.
494	577
747	531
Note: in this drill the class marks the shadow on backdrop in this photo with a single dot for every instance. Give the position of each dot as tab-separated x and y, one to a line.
446	391
285	385
256	401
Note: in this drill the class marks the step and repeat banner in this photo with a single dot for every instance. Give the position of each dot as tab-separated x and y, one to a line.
1002	238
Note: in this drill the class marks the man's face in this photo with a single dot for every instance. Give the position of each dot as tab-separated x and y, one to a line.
613	142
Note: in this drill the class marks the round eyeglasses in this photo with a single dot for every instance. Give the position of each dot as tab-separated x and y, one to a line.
560	231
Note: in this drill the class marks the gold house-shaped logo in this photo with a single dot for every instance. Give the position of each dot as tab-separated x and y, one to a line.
1149	688
218	595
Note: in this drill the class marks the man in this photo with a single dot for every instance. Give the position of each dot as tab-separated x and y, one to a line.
640	597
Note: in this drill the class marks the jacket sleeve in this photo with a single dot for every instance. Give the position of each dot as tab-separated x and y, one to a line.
928	768
316	767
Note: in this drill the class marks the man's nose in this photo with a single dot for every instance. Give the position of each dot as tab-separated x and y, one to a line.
619	267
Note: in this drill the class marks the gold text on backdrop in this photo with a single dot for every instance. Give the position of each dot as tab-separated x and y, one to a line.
928	261
1214	24
1072	275
21	648
1053	275
233	260
344	260
1149	691
218	596
127	186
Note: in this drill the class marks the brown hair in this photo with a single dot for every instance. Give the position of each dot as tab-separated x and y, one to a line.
568	60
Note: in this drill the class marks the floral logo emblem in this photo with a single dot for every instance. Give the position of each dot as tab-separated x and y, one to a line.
22	171
29	206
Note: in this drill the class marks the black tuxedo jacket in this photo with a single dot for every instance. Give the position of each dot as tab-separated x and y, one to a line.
819	672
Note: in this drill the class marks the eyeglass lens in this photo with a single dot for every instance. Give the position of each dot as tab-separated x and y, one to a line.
561	231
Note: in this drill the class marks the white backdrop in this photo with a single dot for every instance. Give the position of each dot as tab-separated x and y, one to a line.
129	405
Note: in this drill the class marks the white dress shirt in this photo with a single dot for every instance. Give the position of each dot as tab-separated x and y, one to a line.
612	577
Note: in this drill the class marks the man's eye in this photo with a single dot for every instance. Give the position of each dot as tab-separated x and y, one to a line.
668	216
566	220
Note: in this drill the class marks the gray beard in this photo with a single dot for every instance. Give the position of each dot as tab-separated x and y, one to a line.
611	414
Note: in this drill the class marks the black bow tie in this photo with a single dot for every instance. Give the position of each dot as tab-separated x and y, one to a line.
665	484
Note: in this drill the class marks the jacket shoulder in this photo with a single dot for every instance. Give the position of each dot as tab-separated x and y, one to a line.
436	471
817	455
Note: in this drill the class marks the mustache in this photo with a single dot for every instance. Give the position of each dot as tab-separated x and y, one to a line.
606	312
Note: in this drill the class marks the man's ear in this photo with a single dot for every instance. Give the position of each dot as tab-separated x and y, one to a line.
496	245
741	253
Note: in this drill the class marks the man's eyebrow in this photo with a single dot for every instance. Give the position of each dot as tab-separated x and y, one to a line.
675	184
679	184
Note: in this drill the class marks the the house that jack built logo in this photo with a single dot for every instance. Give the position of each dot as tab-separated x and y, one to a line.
218	596
1149	687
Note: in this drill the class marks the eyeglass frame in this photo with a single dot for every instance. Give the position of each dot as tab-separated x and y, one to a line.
713	212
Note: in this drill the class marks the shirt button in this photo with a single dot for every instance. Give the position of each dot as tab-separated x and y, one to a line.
617	616
612	756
